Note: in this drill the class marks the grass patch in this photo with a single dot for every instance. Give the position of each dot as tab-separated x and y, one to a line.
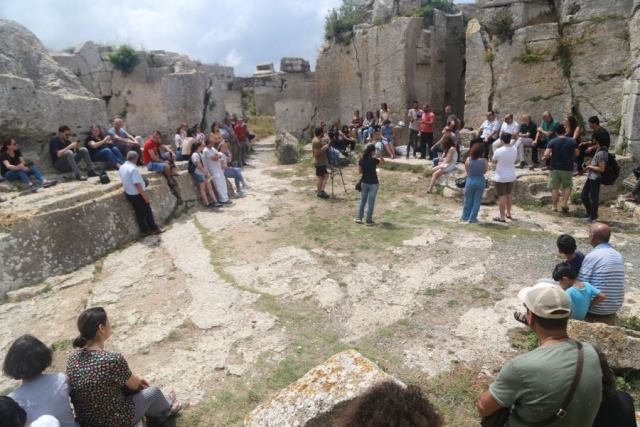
532	55
340	21
404	167
630	322
501	26
262	126
62	345
454	394
488	56
527	342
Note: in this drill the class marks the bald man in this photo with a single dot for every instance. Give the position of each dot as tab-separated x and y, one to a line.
603	267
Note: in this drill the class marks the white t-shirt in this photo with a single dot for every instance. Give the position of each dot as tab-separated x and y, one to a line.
213	166
414	119
130	175
46	397
46	421
179	139
506	166
512	128
196	159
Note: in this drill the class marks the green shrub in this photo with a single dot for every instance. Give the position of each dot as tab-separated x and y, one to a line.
489	56
631	322
563	54
426	11
532	55
614	124
501	26
340	21
124	58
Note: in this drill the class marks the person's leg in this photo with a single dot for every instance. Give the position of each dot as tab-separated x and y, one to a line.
496	144
534	154
150	402
318	184
478	192
83	154
566	194
436	174
468	199
117	155
502	207
69	159
364	195
595	198
138	204
429	141
203	194
37	174
410	144
371	201
509	204
221	187
325	178
486	145
18	175
210	191
555	196
106	155
585	196
423	145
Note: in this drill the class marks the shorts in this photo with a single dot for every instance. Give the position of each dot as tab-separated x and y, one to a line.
157	166
560	180
321	170
504	188
200	179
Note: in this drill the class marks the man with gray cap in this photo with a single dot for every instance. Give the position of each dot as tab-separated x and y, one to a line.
559	383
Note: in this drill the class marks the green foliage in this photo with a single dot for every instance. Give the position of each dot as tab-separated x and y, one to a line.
124	58
622	147
630	322
563	54
501	26
532	55
249	101
340	21
488	56
426	11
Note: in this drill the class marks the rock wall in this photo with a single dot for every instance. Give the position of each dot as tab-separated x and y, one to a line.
394	63
37	94
567	56
163	90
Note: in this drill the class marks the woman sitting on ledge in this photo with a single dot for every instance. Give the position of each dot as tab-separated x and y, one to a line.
104	392
448	160
102	148
14	168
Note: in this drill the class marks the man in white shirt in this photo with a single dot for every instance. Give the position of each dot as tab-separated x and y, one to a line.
509	126
135	191
414	115
213	162
488	132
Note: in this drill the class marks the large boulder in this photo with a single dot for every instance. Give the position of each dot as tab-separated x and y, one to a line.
287	149
620	345
479	76
320	396
38	95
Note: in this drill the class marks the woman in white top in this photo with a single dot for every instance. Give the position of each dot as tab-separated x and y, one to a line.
181	136
213	162
505	160
384	113
448	160
203	177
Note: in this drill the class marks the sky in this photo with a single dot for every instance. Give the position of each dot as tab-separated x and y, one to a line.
236	33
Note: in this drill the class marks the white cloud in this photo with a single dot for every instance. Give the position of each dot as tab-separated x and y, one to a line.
233	58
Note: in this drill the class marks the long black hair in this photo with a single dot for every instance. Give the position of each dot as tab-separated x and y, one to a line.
88	323
368	151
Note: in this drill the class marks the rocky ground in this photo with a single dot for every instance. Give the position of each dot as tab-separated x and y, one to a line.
228	307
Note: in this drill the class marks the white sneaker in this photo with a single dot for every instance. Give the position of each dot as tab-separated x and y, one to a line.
246	186
240	193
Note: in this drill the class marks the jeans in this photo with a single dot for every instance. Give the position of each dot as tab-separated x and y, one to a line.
368	197
413	142
473	191
110	155
144	215
591	197
69	161
426	141
236	174
24	176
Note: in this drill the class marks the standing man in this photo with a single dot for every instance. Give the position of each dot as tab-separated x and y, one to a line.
603	267
135	192
414	115
240	129
535	385
488	132
526	137
591	189
65	154
545	133
427	121
562	151
320	145
122	139
230	136
451	117
587	148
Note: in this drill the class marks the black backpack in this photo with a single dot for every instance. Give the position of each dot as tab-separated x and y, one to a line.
191	166
611	171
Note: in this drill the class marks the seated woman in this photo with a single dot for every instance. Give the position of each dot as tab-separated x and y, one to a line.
188	143
365	132
179	138
104	392
389	140
231	171
345	136
13	167
102	149
39	394
202	177
448	160
12	415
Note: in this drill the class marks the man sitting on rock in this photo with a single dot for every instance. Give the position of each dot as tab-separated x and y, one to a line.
526	137
536	385
509	126
488	132
134	189
603	267
122	139
545	133
66	154
157	161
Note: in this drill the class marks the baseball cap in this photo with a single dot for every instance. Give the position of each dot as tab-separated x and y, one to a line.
546	300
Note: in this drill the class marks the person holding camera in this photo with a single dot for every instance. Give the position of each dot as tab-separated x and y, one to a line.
320	145
369	182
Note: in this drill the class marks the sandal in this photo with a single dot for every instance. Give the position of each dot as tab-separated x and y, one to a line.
520	317
510	217
498	219
176	406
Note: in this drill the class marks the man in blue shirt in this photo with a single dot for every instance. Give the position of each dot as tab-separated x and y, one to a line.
603	267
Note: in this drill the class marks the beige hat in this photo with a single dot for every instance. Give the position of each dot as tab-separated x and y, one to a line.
546	300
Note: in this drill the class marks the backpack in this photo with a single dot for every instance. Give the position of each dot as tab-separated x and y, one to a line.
191	166
611	171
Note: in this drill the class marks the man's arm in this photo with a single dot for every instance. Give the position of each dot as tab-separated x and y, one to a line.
63	150
143	193
155	157
487	404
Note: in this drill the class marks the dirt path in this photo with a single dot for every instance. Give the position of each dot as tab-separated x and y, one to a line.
227	307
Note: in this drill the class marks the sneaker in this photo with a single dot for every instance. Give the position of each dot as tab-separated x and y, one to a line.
93	174
216	205
81	177
49	183
212	206
323	195
240	193
227	203
358	220
370	223
246	186
158	231
565	209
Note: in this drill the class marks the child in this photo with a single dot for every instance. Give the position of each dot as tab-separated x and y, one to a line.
582	294
567	248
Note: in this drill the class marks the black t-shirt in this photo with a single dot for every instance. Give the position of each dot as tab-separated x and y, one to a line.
56	145
562	153
531	129
369	174
617	411
15	160
601	136
92	151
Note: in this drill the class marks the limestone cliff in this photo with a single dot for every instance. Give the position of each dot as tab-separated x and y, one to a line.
565	56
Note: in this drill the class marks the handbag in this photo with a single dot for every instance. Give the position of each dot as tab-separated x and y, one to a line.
104	178
461	182
499	418
359	185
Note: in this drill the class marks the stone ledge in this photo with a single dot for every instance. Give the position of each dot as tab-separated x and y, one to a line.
620	345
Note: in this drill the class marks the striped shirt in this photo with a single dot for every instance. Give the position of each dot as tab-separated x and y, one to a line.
603	267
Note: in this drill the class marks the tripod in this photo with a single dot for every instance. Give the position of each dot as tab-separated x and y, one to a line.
336	167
